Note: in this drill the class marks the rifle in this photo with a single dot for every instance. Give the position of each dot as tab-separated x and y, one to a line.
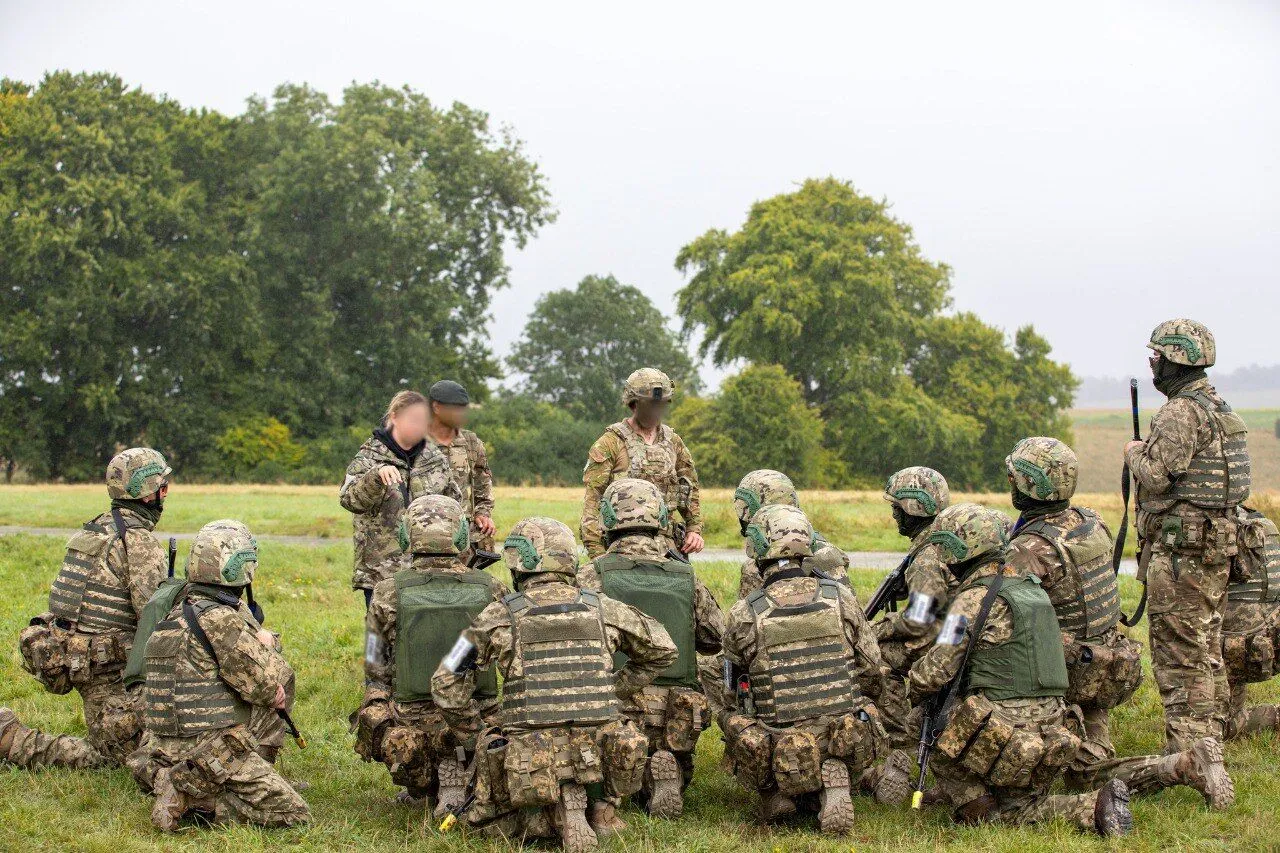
451	819
173	553
1121	534
891	590
292	728
482	560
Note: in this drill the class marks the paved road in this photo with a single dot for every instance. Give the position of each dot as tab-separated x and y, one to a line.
882	560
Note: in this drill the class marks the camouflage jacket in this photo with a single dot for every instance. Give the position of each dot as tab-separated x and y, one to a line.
827	558
380	624
708	618
377	508
608	459
471	472
647	645
926	575
740	641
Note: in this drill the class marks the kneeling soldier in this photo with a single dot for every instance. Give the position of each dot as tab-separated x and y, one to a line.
414	618
207	668
110	570
560	727
637	569
998	674
1069	549
805	667
1251	624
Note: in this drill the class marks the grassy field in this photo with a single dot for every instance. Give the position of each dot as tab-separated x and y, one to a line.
304	591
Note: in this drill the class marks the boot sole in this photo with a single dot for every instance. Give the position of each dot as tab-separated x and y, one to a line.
835	814
1219	791
1117	820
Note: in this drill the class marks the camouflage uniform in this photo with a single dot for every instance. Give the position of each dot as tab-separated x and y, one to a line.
1010	738
1192	472
1069	549
622	452
111	568
802	645
378	508
672	711
1251	626
397	724
206	671
560	724
471	474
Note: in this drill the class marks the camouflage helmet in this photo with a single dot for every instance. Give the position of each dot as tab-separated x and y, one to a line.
1184	341
780	531
965	531
224	553
648	383
631	504
1043	468
920	491
136	473
435	524
541	544
763	488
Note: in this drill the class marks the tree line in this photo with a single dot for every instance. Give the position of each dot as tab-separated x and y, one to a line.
246	293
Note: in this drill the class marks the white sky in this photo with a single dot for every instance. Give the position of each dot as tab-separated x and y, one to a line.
1093	168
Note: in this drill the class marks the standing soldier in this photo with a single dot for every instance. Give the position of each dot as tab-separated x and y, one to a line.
999	655
449	404
207	668
394	466
1192	472
805	668
645	448
560	727
111	568
637	570
413	621
1251	625
1069	549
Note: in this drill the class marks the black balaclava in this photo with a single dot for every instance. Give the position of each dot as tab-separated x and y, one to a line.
1032	508
1169	377
150	511
909	525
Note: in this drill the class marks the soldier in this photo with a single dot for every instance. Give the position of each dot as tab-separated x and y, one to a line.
1251	625
111	568
449	404
207	668
1005	741
763	488
560	727
636	569
1192	472
642	446
917	495
413	621
396	465
1069	549
805	668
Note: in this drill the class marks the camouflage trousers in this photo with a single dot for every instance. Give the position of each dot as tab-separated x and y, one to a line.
671	719
1256	622
416	743
1096	763
221	772
1245	720
114	722
768	759
265	726
1185	599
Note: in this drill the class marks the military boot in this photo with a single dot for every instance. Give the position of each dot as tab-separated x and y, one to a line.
453	786
604	819
835	807
775	806
9	727
1201	767
1111	814
170	805
666	800
576	835
894	785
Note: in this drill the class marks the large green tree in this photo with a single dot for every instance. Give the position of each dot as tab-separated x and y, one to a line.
579	345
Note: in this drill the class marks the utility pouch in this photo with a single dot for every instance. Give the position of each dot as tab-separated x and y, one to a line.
531	770
43	654
687	714
797	763
987	745
966	721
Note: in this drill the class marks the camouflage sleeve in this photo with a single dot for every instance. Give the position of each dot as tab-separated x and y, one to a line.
749	580
596	475
433	475
362	491
938	666
380	640
926	575
1035	555
686	470
740	635
452	691
481	479
588	577
250	668
647	645
147	566
1167	451
869	668
708	634
498	589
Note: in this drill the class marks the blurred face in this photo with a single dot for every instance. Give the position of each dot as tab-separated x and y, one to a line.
451	416
158	495
409	425
650	413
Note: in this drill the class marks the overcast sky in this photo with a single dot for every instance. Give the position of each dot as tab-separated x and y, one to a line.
1092	169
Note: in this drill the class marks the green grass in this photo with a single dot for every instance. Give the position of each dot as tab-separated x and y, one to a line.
304	591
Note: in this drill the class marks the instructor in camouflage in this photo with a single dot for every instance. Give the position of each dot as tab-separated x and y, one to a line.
645	448
111	568
560	729
1192	473
450	407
